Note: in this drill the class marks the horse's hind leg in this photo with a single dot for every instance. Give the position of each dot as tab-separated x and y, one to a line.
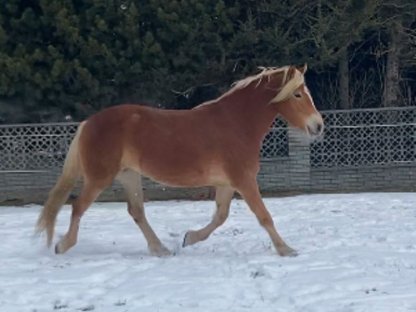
131	182
223	197
88	194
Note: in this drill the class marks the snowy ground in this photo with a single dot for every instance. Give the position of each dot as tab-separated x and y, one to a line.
357	253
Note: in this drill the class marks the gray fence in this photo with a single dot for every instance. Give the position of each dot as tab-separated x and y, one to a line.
361	150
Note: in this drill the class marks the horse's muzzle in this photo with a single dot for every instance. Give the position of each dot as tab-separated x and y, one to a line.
315	126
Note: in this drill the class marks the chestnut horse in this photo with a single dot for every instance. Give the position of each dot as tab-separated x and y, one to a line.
215	144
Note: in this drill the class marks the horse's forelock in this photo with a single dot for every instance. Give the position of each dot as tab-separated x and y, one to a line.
290	84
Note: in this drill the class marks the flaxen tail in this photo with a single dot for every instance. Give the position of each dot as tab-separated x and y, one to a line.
60	192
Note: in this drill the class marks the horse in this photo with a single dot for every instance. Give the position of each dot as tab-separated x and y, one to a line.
214	144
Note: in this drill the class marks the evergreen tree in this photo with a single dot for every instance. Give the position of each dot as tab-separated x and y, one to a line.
75	57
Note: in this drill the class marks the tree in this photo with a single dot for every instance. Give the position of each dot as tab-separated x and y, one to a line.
396	20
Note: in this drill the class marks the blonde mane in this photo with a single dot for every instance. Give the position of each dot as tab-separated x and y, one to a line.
266	72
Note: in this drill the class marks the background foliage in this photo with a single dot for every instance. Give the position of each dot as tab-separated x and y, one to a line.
60	58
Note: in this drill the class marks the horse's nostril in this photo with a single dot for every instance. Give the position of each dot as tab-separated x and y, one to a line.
319	128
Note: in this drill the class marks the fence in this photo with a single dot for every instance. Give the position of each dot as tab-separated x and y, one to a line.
361	150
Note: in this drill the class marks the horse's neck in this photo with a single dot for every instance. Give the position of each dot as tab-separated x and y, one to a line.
249	111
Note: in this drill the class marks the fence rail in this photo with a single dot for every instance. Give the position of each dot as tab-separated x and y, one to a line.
34	147
366	137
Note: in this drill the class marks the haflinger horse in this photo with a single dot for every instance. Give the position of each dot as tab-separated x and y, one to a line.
214	144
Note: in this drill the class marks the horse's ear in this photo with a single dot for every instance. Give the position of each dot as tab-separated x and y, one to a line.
303	68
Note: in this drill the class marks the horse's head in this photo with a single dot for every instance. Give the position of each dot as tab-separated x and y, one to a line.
293	101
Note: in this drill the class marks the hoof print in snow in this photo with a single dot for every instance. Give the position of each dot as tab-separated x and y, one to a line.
369	291
237	232
58	305
87	308
120	303
257	274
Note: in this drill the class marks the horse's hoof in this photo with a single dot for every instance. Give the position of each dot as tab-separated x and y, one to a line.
287	252
62	247
185	240
189	239
160	251
58	249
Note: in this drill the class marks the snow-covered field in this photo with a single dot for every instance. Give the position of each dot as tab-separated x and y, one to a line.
357	252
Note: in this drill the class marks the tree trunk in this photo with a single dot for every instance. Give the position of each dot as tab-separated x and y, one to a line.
392	76
344	81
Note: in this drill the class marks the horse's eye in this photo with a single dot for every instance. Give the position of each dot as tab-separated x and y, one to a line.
298	95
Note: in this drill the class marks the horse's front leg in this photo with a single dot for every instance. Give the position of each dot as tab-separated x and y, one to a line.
251	194
223	197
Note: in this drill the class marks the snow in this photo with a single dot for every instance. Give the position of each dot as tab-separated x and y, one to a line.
357	252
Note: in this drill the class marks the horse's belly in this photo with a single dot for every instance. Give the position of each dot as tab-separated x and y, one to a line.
185	176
